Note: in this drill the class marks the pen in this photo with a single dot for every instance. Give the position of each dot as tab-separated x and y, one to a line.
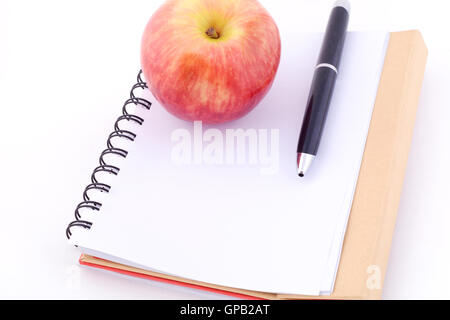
322	86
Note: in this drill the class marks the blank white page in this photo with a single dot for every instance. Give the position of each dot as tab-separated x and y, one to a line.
253	223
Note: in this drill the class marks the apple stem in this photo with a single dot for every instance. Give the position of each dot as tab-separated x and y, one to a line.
212	33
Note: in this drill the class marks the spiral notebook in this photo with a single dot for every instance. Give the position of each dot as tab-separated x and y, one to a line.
221	206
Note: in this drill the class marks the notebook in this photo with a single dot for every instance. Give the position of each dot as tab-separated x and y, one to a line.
222	204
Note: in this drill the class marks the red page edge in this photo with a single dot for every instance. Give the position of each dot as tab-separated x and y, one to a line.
172	282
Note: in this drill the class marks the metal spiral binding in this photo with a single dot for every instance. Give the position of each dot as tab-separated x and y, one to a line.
103	166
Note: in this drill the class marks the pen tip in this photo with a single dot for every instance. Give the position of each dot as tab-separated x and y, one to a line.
344	4
303	163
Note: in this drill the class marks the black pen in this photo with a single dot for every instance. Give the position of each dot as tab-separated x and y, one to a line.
322	86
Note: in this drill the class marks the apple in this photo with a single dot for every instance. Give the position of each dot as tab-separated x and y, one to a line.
210	60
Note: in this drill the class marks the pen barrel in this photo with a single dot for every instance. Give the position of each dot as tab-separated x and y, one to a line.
316	110
334	40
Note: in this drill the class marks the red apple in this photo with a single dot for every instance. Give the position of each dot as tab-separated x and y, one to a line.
210	60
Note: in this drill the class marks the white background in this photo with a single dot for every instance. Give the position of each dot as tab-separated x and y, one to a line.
65	70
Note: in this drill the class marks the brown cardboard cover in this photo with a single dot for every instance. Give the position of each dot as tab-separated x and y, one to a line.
372	219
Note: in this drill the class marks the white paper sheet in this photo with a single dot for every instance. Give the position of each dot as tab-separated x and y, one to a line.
253	225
